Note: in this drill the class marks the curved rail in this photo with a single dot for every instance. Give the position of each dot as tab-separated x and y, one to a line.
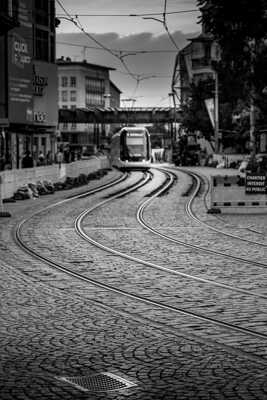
180	242
195	218
85	236
59	266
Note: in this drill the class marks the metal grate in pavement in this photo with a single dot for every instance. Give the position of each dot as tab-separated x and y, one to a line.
103	382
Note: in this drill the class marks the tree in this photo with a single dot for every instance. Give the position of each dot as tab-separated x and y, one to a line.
194	114
235	24
240	29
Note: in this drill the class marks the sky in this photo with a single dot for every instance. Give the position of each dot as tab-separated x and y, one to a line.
144	77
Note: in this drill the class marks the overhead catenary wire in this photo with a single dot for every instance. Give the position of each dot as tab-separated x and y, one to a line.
132	15
131	52
122	54
77	23
163	21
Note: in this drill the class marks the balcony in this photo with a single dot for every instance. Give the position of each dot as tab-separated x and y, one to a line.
198	63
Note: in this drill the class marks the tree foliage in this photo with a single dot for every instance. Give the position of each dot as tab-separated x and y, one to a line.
234	24
194	114
240	29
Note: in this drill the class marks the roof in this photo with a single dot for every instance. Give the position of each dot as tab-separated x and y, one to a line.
68	62
203	37
115	87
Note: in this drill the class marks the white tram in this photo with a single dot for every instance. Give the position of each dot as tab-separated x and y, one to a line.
131	148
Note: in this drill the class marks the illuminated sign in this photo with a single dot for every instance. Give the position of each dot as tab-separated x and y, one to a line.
39	83
40	116
20	52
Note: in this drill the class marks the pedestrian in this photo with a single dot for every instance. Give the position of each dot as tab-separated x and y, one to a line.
41	158
48	158
59	158
27	161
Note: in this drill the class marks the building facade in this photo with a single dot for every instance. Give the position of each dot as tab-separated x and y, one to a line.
84	85
30	92
195	62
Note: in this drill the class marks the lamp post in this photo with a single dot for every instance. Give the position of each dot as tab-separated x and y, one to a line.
107	97
173	124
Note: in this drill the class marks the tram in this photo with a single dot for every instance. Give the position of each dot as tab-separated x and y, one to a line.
131	148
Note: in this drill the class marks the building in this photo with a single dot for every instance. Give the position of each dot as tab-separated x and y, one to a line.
8	21
84	85
194	62
29	97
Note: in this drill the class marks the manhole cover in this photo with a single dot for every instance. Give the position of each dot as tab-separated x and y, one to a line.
103	382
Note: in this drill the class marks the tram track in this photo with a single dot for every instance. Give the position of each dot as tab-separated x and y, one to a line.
163	188
191	214
140	298
197	177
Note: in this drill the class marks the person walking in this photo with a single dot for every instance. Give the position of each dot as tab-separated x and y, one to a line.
59	158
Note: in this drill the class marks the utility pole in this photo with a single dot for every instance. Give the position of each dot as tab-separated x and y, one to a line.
252	111
216	114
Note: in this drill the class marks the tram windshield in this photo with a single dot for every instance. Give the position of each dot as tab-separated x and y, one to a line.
136	146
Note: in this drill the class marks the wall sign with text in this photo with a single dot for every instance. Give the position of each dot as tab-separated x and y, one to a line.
256	184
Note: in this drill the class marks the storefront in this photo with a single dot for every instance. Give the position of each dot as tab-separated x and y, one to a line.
31	91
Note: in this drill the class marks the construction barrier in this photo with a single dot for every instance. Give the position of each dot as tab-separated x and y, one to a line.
238	194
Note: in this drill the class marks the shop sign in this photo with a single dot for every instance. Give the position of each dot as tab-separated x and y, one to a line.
45	88
40	116
255	184
20	66
39	83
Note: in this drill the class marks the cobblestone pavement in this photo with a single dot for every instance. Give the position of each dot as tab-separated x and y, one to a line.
53	327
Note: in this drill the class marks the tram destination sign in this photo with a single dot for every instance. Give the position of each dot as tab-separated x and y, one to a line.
256	184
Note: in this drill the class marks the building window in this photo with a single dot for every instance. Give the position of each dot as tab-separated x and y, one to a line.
94	91
64	95
65	126
41	45
94	99
73	95
64	81
52	15
73	81
64	107
73	126
73	107
52	48
41	12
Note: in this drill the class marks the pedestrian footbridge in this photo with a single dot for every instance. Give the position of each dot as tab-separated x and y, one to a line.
109	115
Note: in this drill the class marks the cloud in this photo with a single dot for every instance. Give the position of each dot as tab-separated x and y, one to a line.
150	91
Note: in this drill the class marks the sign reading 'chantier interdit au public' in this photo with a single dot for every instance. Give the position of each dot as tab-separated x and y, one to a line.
256	184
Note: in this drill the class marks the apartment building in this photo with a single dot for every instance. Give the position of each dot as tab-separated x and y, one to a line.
84	85
28	96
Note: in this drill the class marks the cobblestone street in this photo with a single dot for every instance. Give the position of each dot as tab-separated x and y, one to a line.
55	326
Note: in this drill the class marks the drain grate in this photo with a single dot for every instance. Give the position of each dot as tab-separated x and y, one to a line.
103	382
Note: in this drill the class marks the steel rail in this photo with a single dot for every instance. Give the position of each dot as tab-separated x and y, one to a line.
140	218
193	246
85	236
195	218
60	267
